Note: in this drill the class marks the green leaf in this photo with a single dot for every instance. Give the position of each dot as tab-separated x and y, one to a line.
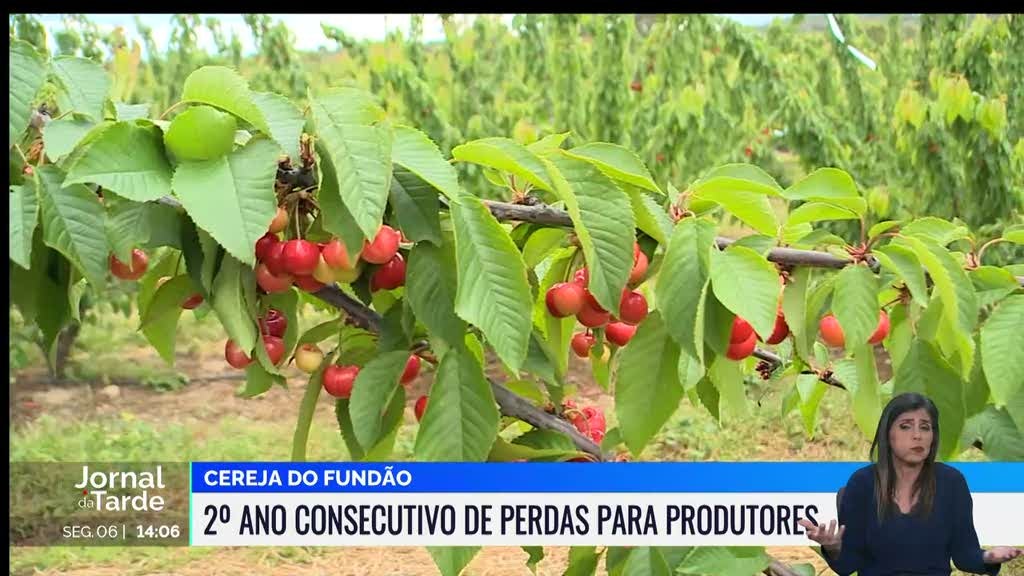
72	218
461	422
61	136
224	88
232	197
540	244
166	300
935	230
359	151
201	133
493	292
1002	349
976	390
538	363
126	226
257	380
756	297
690	371
925	371
126	158
371	392
23	214
883	227
336	218
618	163
818	211
161	333
284	119
1000	439
744	199
582	561
645	561
341	414
506	155
539	439
320	332
416	207
901	333
536	554
451	560
992	284
1015	234
26	76
84	85
723	561
902	261
131	111
647	390
650	217
867	403
430	289
548	143
794	303
823	183
417	153
727	376
603	220
682	283
811	391
744	171
557	331
229	301
855	304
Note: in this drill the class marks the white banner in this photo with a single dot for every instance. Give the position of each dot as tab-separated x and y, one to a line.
546	519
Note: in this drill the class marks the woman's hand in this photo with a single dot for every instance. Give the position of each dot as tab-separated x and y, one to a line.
823	534
1001	554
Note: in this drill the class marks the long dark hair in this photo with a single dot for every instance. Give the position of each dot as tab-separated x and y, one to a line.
881	453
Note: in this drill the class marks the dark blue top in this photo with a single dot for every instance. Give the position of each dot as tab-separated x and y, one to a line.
907	544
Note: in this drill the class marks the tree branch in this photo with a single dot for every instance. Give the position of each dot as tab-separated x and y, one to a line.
776	361
509	402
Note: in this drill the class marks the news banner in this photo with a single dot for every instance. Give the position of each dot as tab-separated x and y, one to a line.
471	504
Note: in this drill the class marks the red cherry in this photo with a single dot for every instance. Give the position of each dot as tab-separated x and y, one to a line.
383	247
632	307
300	257
274	259
264	244
591	314
391	275
193	302
235	356
581	277
619	333
308	283
740	350
781	330
636	86
140	262
596	423
280	221
832	332
582	343
338	380
335	255
421	407
565	299
271	283
274	323
412	369
741	330
882	330
275	349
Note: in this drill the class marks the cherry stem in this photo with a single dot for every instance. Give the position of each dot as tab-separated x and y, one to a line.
985	246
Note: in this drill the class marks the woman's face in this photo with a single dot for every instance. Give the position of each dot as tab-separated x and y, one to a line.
911	436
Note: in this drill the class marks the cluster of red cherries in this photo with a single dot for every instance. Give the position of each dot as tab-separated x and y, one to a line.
311	265
566	299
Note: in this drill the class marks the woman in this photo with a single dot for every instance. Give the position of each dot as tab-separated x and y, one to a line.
925	507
